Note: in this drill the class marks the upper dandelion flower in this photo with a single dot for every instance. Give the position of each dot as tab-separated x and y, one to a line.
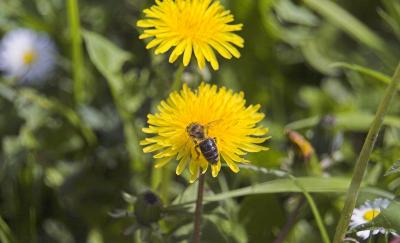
189	26
366	213
219	115
27	55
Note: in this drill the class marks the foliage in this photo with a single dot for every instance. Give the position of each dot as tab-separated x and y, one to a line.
71	168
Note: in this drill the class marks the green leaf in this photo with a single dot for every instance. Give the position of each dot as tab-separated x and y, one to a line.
109	60
311	50
314	209
253	212
392	15
290	12
310	184
59	108
6	235
350	121
364	70
348	23
394	169
107	57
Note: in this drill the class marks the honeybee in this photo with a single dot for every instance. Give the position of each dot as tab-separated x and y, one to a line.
208	146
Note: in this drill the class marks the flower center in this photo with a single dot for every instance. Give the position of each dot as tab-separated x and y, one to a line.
371	214
193	22
29	57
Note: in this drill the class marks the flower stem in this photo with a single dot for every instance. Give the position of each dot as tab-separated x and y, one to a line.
199	210
176	85
77	53
290	222
363	158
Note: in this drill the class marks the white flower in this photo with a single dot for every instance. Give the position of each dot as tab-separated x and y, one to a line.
27	55
366	213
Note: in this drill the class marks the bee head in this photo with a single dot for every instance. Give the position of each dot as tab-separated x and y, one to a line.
195	130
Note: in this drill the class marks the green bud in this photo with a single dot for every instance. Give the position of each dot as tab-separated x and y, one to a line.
148	208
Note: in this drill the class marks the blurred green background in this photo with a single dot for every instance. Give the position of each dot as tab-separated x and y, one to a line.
70	164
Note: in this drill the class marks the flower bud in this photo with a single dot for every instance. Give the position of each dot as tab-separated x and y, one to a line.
148	208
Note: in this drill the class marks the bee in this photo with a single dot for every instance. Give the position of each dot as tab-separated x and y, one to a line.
208	146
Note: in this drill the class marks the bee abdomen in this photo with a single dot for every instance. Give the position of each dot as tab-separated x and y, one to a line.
209	150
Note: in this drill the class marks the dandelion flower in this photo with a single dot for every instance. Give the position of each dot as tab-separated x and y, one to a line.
223	114
366	213
27	55
187	26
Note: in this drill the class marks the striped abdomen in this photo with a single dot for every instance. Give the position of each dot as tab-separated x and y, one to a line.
209	149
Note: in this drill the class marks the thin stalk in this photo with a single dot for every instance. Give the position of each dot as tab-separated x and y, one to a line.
6	234
130	131
314	210
77	54
363	158
176	85
166	178
199	210
290	222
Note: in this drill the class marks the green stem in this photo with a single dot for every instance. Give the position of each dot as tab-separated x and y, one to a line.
314	210
199	210
6	234
130	131
363	158
290	222
77	55
176	85
164	174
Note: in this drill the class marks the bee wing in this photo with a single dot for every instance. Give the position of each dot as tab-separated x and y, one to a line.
213	123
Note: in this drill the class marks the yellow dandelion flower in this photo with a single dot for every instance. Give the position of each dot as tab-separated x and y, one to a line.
225	118
189	26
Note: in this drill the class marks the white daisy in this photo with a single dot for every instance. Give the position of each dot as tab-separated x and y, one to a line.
27	55
366	213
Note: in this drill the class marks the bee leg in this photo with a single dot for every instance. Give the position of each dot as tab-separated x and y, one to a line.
215	139
196	148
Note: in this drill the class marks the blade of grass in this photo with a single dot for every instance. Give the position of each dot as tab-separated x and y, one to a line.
76	51
364	70
6	235
68	113
349	121
109	60
312	184
314	209
349	24
363	158
50	104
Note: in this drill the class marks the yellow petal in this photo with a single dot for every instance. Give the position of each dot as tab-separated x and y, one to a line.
215	169
188	53
177	52
199	56
182	165
152	148
153	43
161	162
232	165
210	56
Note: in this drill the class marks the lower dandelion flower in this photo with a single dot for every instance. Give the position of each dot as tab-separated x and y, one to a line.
201	127
27	55
366	213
